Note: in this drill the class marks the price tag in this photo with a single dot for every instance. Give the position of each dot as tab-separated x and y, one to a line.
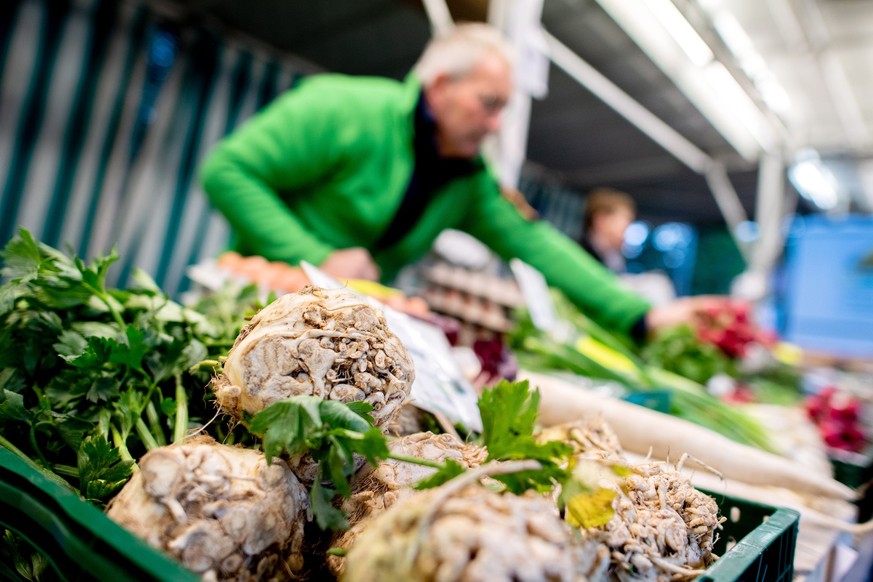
439	386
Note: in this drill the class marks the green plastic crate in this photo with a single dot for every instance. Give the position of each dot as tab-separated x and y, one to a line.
81	543
77	539
757	543
856	471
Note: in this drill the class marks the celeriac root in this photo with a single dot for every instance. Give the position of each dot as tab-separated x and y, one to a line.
322	342
375	489
464	531
663	528
222	511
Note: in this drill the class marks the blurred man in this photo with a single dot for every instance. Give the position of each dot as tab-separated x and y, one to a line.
359	175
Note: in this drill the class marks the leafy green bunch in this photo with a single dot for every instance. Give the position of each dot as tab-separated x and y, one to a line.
92	377
679	350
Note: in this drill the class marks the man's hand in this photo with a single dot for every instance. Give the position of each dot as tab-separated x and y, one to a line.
685	310
353	263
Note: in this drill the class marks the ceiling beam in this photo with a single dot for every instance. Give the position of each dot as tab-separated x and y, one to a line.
671	140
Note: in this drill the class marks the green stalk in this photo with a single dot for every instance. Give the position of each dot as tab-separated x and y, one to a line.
207	365
711	413
119	443
720	417
35	445
66	470
155	424
147	438
416	460
104	297
562	357
690	400
352	434
180	427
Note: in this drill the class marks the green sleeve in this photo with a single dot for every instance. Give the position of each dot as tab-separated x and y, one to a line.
282	149
565	265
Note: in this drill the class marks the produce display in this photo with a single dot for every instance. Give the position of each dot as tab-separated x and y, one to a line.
735	364
586	349
729	327
254	441
451	534
662	526
375	489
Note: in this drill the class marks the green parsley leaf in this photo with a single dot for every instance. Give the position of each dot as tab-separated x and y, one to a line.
326	515
12	406
22	258
372	445
101	470
285	425
338	415
509	412
340	464
362	409
103	388
97	352
131	353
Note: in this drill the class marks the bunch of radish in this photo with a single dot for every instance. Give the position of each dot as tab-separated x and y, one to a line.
729	327
838	418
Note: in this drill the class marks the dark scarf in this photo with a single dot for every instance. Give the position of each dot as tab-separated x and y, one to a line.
430	173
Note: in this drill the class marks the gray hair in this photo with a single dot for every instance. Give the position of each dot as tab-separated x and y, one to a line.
457	51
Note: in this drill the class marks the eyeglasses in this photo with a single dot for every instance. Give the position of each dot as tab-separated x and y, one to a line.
492	104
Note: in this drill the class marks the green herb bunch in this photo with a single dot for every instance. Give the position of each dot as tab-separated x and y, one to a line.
92	377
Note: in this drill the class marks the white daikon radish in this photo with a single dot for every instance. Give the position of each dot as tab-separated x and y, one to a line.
641	430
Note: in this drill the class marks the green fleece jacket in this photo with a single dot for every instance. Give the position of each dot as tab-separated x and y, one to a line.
325	167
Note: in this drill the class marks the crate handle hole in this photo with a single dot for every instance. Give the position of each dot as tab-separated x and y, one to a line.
731	542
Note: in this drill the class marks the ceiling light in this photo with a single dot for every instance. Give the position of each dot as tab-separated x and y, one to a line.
751	62
681	31
735	98
674	46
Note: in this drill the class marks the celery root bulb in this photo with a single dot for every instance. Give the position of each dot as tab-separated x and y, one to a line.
375	489
222	511
663	528
473	535
321	342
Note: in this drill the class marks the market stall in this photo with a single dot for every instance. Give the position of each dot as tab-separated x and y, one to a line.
227	432
263	323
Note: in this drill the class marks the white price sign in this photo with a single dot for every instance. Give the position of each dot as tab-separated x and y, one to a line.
536	295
